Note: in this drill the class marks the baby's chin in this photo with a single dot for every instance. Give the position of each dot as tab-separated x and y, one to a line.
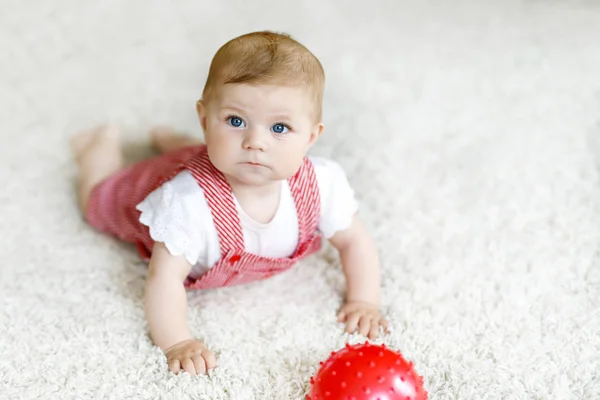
260	177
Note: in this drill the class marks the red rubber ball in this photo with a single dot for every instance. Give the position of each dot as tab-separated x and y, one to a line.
366	372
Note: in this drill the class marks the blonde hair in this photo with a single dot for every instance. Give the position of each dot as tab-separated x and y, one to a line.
266	57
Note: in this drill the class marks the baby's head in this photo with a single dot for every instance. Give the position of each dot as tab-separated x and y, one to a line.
261	107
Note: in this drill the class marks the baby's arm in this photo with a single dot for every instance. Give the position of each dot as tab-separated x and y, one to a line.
166	307
360	263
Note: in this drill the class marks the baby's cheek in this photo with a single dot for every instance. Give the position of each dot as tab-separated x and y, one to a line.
218	152
292	164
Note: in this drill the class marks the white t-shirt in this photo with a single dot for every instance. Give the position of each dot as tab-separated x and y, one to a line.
178	215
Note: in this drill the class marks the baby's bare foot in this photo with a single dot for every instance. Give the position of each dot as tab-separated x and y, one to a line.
160	136
97	140
165	139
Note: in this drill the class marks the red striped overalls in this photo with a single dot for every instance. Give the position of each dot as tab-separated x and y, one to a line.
111	209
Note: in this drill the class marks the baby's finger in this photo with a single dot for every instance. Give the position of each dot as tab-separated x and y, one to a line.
341	316
199	364
385	324
374	329
210	359
188	365
352	322
174	365
364	325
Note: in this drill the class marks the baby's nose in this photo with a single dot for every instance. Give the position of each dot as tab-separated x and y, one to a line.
255	139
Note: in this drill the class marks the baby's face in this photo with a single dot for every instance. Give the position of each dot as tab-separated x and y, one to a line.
257	134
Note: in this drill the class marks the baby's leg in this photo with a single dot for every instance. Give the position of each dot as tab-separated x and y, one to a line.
98	155
166	140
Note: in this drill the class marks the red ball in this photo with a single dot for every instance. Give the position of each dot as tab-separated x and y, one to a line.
366	372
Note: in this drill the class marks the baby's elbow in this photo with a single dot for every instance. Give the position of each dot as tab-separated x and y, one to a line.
163	264
351	236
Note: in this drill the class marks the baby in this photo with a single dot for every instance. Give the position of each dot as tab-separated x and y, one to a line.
245	204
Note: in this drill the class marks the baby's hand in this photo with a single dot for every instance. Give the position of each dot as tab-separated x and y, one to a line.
191	356
364	316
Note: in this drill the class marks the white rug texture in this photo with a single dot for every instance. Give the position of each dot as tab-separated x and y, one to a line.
469	129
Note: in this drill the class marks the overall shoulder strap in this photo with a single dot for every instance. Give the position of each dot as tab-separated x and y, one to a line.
305	191
219	197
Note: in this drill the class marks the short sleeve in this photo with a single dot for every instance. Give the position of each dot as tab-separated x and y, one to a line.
338	202
174	216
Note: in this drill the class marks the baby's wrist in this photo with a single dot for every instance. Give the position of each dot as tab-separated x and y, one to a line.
365	301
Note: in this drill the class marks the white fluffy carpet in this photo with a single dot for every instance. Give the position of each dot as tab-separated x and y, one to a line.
470	130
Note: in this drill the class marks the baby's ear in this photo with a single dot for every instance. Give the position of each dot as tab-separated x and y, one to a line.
201	110
315	133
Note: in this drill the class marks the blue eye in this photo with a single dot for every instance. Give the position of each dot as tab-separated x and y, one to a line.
236	122
280	128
